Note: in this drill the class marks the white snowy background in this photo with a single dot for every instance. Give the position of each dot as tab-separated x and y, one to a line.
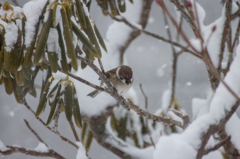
150	60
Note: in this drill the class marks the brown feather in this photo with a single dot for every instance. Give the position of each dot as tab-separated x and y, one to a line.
126	72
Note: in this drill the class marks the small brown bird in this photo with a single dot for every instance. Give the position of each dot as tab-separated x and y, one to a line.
120	77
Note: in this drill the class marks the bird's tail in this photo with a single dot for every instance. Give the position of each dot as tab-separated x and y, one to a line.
94	93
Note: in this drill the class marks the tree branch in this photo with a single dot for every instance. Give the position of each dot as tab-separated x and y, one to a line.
225	31
174	61
218	145
127	105
214	129
15	149
41	121
124	20
34	132
183	116
76	77
74	131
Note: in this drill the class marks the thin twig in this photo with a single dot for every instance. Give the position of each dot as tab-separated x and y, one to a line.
235	41
196	29
34	132
74	131
57	114
174	62
225	32
204	53
183	116
146	108
183	12
77	77
41	121
218	145
101	66
124	20
16	149
143	20
183	35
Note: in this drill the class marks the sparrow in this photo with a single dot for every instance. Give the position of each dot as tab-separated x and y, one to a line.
121	77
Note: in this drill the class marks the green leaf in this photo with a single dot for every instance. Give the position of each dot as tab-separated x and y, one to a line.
93	39
54	15
43	100
8	60
69	40
42	38
29	50
83	39
105	3
63	52
88	140
84	129
53	59
113	8
81	14
101	41
8	88
17	90
77	114
15	58
1	59
68	102
122	5
53	90
53	107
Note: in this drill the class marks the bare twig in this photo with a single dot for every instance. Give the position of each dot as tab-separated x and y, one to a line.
225	32
183	35
101	66
146	108
143	113
122	19
78	78
195	20
236	39
16	149
74	131
41	121
146	7
204	53
183	116
57	114
218	145
229	148
34	132
183	12
174	63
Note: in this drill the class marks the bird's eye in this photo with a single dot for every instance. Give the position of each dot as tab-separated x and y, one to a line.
121	78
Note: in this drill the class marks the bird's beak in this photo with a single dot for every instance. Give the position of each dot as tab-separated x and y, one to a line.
128	81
